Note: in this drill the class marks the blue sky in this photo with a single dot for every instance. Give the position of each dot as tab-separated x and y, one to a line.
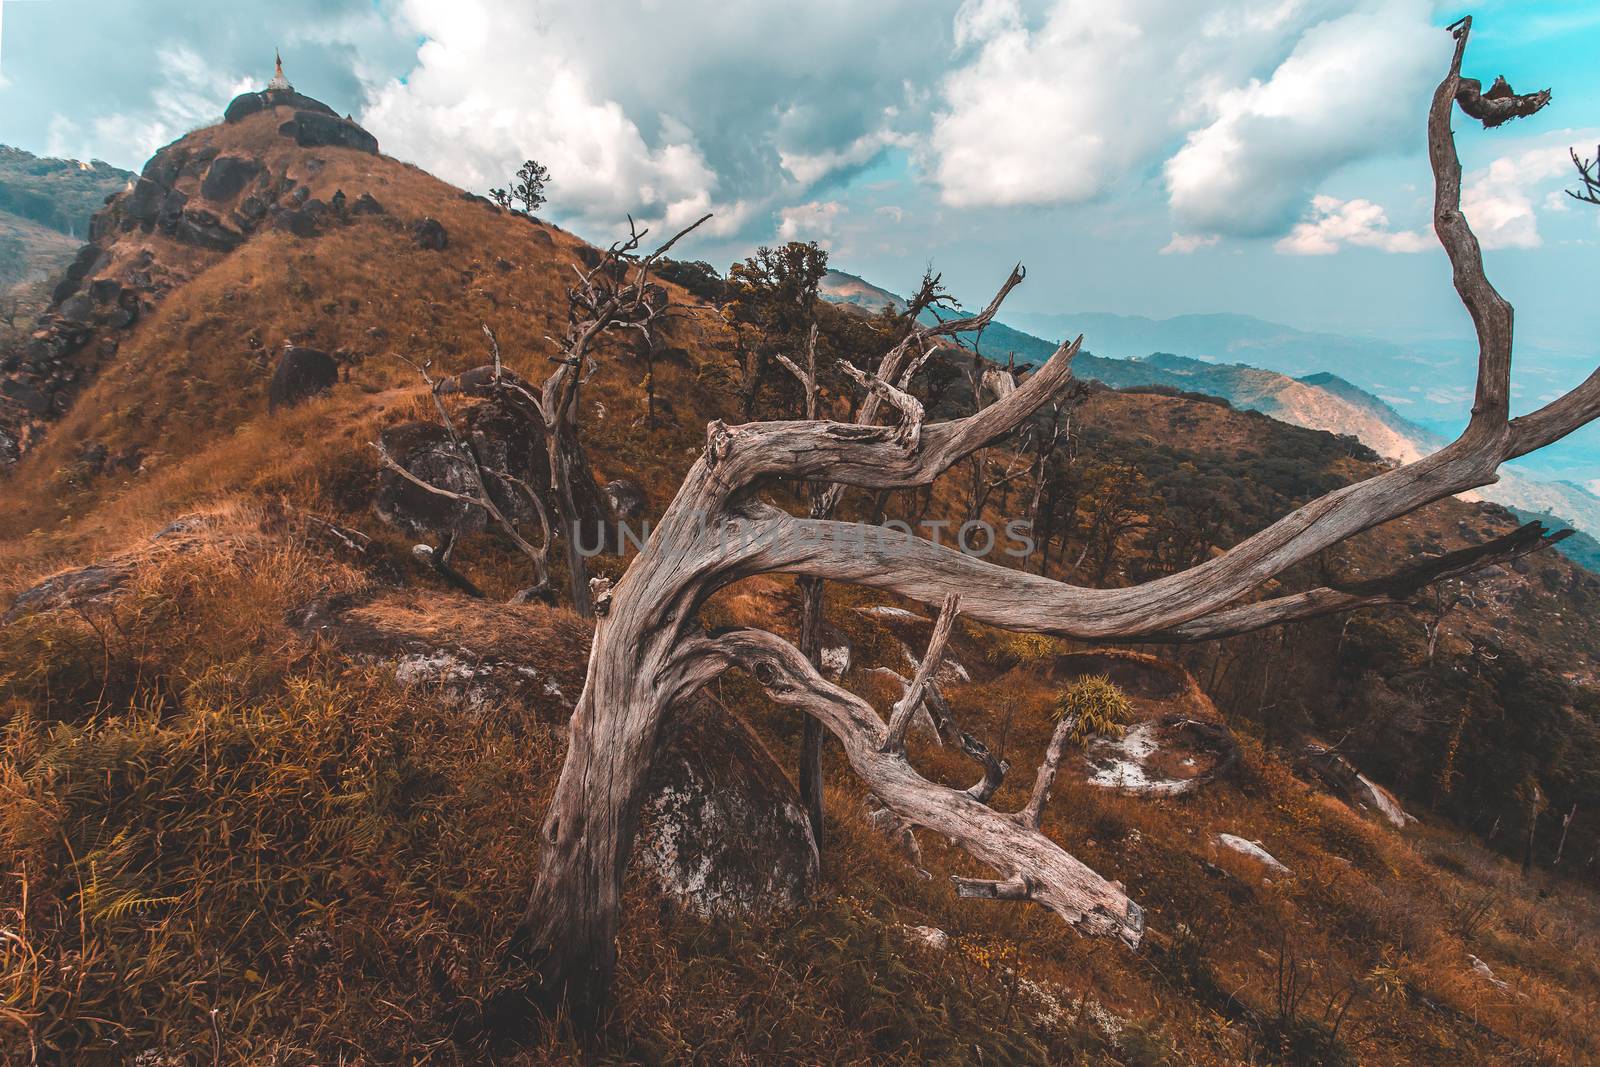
1151	157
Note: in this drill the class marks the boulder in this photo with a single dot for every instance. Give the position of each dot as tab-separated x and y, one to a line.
430	233
247	104
302	373
202	229
1342	778
724	832
297	221
105	290
144	203
164	167
251	210
626	498
227	178
502	441
1176	743
171	210
313	129
78	309
89	260
367	204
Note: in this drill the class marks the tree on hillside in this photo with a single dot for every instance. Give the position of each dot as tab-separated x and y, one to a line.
527	187
773	305
651	652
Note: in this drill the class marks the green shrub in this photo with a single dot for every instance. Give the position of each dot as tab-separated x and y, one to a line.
1099	706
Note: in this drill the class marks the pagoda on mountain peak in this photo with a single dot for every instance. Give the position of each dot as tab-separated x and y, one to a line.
279	82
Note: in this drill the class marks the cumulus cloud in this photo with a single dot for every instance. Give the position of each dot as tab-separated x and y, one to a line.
664	110
151	71
1264	96
1348	90
1499	199
1335	223
817	221
185	97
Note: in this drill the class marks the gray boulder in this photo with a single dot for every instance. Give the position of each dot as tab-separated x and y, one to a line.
430	233
724	832
313	129
502	442
227	178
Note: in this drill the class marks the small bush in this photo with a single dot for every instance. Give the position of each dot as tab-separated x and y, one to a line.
1100	707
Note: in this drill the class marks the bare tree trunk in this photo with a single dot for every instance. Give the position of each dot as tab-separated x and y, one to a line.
567	462
812	733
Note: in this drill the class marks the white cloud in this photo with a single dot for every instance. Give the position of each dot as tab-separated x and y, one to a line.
1349	89
183	99
1182	244
1270	95
816	221
664	110
1335	223
1498	200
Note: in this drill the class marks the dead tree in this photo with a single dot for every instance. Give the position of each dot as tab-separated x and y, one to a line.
481	481
650	652
901	363
1588	175
614	294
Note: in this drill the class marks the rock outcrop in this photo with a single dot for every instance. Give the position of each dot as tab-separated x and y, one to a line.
724	832
313	129
302	373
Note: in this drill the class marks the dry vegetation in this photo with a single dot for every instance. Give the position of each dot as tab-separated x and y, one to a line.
226	840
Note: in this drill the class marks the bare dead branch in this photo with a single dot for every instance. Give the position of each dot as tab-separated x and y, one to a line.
1588	177
900	719
1032	813
1051	876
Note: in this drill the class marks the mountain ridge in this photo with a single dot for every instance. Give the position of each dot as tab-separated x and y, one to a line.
1317	398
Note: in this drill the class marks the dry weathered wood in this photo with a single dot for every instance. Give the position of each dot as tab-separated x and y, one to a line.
1385	591
649	651
1053	878
900	719
1032	813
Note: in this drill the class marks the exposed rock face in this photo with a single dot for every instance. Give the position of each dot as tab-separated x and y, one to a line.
502	442
1344	780
228	177
723	829
1177	742
202	229
100	582
90	258
247	104
302	373
522	660
1253	850
314	129
430	234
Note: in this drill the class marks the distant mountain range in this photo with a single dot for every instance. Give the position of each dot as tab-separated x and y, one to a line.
1315	398
45	207
1428	382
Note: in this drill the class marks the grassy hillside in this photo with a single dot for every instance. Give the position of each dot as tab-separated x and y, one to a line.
240	837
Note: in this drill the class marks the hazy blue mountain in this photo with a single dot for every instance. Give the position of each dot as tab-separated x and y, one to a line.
1230	356
1428	382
